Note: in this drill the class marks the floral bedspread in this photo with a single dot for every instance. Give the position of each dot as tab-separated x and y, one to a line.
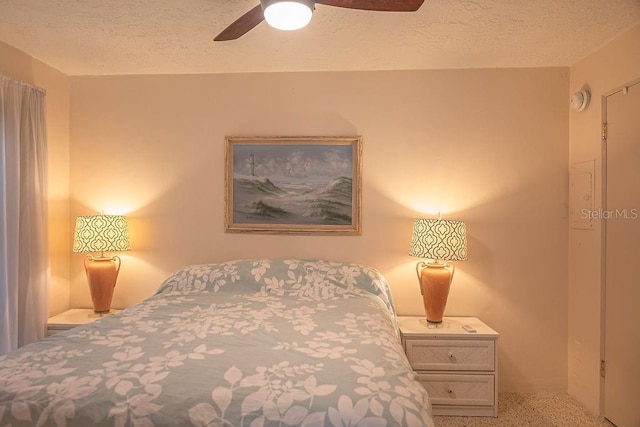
243	343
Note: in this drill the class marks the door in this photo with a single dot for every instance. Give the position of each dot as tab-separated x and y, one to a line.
622	259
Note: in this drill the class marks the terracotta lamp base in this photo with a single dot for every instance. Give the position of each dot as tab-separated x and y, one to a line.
435	282
102	274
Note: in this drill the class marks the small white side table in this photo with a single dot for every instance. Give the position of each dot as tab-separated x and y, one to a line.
74	317
458	367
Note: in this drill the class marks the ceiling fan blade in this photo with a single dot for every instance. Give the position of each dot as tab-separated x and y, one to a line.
378	5
242	25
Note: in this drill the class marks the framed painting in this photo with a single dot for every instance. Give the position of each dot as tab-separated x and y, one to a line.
294	185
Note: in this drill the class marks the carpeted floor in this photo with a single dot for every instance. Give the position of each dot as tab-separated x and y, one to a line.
531	409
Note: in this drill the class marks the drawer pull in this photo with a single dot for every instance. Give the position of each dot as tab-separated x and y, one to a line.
451	355
450	390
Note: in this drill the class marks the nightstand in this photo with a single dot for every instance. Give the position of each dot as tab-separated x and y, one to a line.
74	317
458	368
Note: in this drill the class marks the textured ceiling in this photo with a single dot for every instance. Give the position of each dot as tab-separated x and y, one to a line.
101	37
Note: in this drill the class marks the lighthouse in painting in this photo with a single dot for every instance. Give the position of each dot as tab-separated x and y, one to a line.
252	164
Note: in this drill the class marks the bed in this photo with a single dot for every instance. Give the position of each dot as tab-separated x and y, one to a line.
241	343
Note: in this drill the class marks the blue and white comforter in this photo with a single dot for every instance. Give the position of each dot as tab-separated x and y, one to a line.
244	343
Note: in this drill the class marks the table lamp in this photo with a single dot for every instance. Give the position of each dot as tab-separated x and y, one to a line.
100	233
440	241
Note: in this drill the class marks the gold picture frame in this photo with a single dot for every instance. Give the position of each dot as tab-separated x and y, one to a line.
294	185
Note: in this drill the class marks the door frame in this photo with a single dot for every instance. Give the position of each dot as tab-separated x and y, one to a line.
603	232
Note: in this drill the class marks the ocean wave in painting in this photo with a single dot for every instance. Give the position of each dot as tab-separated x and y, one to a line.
314	202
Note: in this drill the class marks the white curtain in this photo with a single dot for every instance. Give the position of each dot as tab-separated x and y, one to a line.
23	215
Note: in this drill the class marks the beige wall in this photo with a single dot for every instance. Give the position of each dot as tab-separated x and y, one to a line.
485	146
20	66
610	67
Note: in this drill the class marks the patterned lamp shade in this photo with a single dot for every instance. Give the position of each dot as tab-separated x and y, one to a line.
439	239
99	233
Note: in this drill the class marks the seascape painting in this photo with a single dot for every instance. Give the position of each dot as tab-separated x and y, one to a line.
293	184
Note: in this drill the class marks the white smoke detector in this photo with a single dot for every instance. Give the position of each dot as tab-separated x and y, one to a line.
580	100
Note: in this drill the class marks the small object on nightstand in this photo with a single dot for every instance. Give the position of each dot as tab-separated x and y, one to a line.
457	367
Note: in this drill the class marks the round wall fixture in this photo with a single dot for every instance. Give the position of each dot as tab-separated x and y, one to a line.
580	100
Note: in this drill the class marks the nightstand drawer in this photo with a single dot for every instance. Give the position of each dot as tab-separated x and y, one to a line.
450	355
472	390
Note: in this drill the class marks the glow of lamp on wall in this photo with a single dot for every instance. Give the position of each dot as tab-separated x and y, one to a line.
101	233
440	242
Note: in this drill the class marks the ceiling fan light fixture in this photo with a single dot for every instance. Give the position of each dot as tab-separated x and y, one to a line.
288	14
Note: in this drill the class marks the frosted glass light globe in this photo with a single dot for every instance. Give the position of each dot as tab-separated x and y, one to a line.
288	15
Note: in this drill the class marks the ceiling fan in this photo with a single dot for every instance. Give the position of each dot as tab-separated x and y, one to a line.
271	10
